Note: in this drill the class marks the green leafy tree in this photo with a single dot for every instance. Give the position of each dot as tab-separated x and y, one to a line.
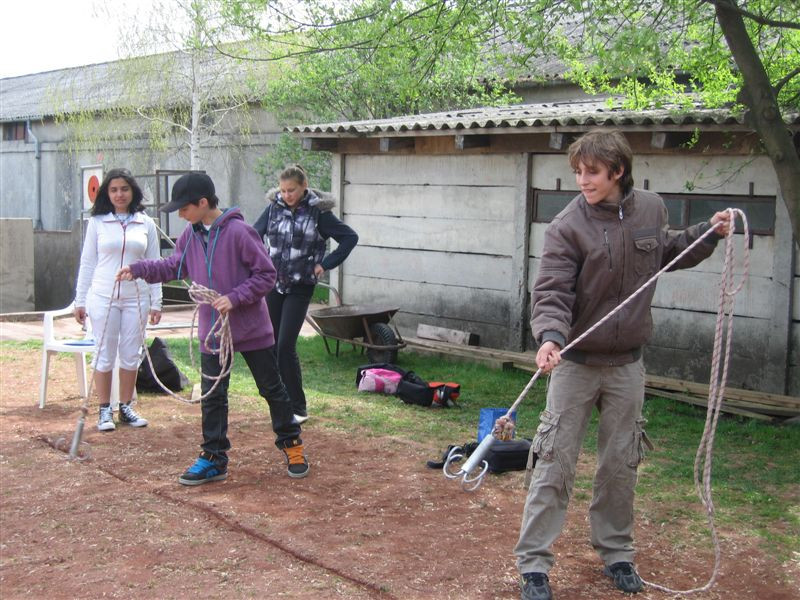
171	88
288	151
376	58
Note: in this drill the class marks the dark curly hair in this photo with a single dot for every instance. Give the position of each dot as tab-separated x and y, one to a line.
102	203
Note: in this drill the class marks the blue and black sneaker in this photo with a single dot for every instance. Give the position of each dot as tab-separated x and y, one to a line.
202	471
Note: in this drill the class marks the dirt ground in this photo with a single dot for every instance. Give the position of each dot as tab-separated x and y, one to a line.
370	521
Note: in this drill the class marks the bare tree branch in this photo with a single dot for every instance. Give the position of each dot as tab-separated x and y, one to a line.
789	76
731	5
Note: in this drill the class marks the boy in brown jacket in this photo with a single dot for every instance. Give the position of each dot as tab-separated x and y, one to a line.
602	247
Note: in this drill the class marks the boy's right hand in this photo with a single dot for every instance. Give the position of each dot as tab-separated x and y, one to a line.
548	356
79	312
124	274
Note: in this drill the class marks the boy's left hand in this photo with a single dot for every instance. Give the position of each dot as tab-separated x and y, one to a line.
722	222
222	305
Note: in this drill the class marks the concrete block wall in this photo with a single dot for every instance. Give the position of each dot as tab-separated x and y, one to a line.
16	266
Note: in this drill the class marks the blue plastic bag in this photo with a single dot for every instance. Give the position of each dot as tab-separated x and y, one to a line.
487	418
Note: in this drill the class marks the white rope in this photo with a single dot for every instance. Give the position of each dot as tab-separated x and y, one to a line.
716	393
220	330
717	382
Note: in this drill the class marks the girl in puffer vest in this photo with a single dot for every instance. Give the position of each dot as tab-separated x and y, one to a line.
295	226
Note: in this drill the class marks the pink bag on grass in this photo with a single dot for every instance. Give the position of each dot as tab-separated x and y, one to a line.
379	380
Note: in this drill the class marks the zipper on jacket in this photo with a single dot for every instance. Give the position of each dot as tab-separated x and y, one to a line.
122	255
620	211
608	249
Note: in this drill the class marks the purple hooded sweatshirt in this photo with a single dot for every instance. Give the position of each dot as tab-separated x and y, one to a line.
234	263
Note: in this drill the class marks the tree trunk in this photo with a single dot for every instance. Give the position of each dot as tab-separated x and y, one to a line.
760	98
194	137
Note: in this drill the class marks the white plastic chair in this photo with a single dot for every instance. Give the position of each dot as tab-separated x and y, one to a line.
79	348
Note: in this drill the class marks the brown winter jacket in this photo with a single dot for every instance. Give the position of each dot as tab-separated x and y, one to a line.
594	258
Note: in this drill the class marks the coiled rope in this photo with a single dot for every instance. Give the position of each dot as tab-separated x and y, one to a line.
717	381
221	330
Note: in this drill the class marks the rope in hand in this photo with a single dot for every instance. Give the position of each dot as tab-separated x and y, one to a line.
716	392
504	426
220	329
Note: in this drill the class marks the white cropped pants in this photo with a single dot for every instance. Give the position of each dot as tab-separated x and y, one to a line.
116	328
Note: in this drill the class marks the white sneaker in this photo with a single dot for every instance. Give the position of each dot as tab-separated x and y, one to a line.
300	419
106	420
128	416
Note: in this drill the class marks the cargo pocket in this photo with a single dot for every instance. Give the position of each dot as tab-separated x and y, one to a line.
530	467
640	440
646	243
545	435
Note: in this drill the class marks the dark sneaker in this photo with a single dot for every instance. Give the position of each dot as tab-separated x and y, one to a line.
536	586
128	416
297	463
625	577
203	471
105	421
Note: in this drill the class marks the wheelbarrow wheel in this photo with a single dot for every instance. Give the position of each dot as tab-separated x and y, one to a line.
382	335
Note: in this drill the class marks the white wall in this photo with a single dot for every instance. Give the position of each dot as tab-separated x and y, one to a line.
436	239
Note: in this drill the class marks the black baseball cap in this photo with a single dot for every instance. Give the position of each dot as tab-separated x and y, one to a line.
188	188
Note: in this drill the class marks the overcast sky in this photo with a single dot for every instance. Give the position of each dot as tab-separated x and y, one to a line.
43	35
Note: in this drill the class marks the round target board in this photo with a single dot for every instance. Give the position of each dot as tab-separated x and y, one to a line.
92	187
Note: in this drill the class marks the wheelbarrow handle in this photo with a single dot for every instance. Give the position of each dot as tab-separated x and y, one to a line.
334	290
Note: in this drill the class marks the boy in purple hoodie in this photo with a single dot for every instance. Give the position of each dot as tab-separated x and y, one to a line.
221	252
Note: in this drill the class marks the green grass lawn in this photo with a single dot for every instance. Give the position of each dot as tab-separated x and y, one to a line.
756	478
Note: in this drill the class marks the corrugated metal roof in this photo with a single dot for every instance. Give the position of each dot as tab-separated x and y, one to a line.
558	114
104	85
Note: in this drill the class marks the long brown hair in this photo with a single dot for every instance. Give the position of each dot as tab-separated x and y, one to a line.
102	203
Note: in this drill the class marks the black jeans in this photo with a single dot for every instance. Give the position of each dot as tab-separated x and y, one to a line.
287	312
264	368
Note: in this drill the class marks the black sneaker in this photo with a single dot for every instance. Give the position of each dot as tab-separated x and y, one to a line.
535	586
625	577
128	416
203	471
297	463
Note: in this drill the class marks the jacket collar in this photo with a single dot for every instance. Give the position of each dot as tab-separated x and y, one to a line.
135	217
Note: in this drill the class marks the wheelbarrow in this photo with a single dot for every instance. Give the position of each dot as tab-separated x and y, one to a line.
365	325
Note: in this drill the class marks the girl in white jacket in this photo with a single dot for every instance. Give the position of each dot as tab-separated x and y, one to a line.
118	233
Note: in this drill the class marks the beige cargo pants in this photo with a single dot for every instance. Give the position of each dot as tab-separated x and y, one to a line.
575	389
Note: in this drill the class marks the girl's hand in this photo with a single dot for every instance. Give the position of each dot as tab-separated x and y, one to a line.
155	317
79	312
318	271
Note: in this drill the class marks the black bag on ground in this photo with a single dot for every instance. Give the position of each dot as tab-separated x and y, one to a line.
511	455
412	389
165	368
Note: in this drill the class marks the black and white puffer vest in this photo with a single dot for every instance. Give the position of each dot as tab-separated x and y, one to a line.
293	240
